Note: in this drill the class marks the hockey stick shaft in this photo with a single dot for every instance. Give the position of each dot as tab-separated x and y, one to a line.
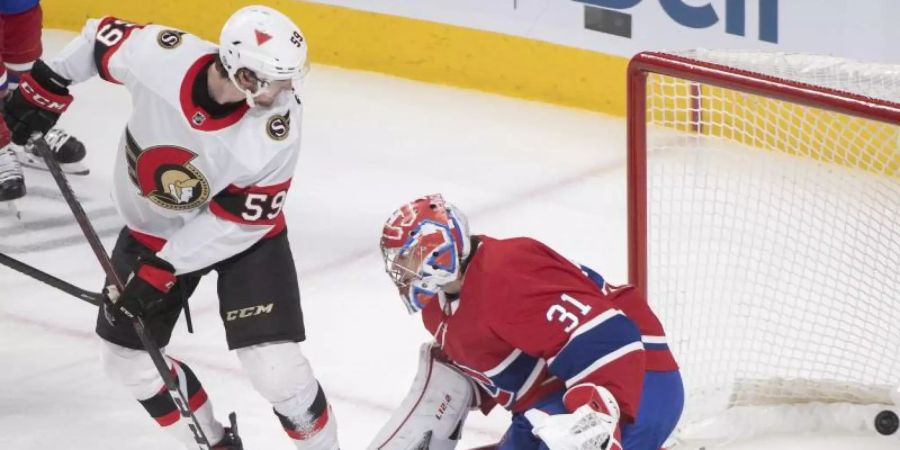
97	246
94	298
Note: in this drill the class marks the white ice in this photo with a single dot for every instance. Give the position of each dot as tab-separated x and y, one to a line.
370	143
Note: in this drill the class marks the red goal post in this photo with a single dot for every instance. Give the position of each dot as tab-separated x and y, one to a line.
713	74
764	226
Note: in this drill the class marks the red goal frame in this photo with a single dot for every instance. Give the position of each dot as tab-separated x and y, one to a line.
698	71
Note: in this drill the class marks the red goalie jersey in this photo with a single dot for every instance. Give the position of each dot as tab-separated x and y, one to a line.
194	184
529	322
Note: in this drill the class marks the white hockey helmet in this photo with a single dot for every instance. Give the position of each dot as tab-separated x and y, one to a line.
267	43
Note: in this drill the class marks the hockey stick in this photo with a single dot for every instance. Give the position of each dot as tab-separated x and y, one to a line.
94	298
97	246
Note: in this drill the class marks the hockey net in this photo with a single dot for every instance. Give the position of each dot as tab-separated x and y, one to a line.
764	204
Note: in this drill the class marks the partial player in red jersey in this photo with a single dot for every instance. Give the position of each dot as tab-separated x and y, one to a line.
21	22
581	363
201	174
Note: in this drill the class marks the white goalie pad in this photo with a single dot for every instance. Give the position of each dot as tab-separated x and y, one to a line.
432	414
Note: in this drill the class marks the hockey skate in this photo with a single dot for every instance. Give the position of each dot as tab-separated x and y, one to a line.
68	151
12	181
231	441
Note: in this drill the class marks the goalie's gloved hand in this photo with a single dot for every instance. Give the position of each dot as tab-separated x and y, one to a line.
36	105
151	280
590	425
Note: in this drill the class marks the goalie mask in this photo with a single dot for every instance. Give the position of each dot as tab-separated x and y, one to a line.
423	244
269	45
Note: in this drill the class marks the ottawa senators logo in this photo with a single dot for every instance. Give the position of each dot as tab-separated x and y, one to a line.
165	176
278	127
169	39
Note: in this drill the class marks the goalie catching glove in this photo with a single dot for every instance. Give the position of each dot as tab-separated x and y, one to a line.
591	424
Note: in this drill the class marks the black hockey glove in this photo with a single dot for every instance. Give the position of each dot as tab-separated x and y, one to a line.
151	280
37	104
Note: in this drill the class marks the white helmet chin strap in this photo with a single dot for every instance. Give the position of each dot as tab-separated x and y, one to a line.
250	96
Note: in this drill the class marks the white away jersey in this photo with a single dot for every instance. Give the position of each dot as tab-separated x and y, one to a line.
196	186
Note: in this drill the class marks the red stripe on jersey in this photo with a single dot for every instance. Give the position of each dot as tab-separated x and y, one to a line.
152	242
277	228
310	430
271	189
252	205
125	28
197	117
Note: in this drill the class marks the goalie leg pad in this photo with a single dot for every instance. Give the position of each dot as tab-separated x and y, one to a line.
433	412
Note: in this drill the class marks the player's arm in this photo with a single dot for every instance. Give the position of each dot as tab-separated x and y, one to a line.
105	47
43	93
235	218
588	343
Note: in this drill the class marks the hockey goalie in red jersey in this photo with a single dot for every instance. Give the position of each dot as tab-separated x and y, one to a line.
582	364
202	171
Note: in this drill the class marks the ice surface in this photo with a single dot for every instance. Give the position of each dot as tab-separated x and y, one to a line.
370	143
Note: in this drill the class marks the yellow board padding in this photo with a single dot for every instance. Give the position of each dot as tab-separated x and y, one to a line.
408	48
775	125
518	67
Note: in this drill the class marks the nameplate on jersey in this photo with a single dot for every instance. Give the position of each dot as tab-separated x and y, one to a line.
164	175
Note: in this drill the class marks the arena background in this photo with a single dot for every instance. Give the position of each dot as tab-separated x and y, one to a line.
571	53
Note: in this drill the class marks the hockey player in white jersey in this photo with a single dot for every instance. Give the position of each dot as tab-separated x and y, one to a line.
201	176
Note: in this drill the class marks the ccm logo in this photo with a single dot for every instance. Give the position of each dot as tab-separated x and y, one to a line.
251	311
39	100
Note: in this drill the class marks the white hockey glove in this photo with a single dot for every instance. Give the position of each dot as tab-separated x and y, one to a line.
590	426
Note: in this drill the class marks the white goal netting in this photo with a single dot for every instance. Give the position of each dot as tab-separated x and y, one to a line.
773	236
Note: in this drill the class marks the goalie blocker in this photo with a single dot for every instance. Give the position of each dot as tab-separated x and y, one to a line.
432	414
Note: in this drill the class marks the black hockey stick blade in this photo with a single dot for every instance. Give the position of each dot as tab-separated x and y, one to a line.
94	298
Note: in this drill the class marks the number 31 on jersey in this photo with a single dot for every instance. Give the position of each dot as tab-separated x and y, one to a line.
560	313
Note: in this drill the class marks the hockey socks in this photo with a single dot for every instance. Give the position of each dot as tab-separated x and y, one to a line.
163	409
311	427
